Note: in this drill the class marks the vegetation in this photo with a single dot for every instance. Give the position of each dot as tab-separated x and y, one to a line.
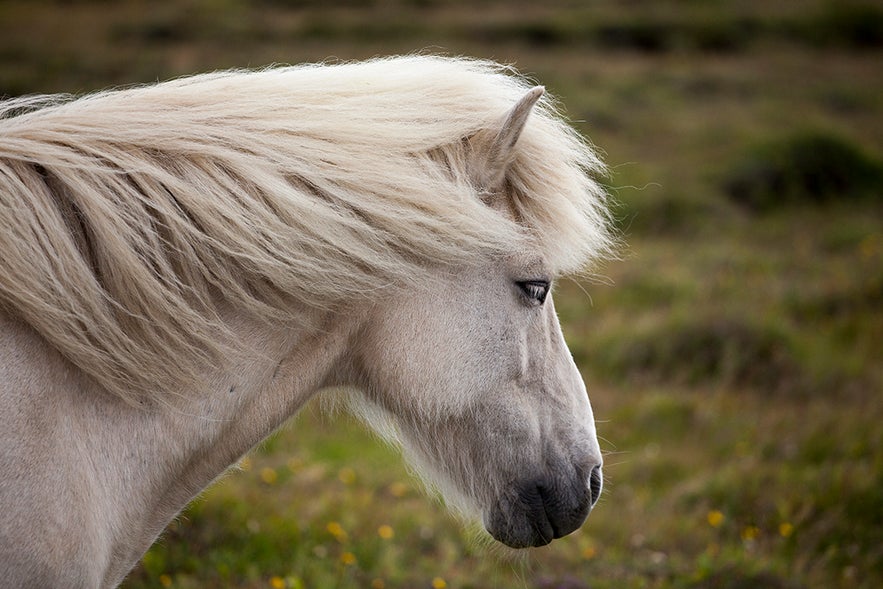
732	355
811	167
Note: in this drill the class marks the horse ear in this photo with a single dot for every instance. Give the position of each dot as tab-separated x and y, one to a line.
498	155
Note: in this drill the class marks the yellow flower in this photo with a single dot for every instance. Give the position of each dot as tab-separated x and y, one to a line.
165	580
347	476
336	530
786	529
269	475
715	518
750	533
438	583
378	584
348	558
589	552
277	582
386	532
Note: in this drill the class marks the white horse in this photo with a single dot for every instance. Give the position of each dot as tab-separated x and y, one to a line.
184	265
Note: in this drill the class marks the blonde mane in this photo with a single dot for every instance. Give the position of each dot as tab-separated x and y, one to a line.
126	216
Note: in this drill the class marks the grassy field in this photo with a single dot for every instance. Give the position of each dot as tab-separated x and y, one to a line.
734	354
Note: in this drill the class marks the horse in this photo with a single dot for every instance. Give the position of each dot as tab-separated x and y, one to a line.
183	265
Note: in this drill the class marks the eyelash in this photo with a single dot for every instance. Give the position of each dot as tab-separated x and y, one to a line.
534	290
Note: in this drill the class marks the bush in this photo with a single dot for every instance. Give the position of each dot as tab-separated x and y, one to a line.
667	215
840	24
808	168
711	352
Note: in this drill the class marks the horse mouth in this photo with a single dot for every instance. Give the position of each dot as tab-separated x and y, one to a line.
535	514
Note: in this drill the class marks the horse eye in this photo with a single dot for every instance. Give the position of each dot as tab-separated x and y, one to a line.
535	290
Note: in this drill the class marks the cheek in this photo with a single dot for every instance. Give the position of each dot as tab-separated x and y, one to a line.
437	359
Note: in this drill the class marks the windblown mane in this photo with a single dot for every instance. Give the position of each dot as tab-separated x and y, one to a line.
125	216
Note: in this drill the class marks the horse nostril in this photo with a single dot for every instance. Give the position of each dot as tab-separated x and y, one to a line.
595	483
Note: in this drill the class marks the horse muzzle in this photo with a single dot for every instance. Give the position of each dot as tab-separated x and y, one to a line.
540	510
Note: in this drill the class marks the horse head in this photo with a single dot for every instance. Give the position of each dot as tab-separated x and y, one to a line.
472	376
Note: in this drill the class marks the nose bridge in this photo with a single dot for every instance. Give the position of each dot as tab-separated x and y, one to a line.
560	366
566	384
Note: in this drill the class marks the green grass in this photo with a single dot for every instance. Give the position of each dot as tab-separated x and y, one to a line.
732	354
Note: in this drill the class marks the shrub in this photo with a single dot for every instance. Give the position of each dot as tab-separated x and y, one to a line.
717	351
667	215
850	25
807	168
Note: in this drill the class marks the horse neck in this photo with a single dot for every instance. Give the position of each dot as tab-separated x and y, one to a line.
163	457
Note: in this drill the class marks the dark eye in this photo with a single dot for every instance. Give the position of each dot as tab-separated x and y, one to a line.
534	290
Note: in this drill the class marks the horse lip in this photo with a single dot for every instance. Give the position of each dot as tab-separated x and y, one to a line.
531	520
541	536
557	531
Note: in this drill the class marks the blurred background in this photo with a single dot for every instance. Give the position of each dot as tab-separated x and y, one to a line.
734	354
